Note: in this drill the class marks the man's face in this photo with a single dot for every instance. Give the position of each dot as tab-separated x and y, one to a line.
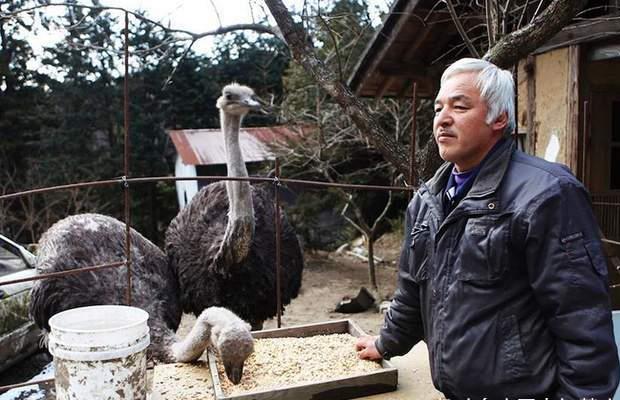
459	126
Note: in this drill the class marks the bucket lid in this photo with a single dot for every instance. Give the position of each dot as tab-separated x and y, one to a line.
96	329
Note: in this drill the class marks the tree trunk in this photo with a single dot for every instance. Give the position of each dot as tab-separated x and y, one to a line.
518	44
507	52
303	52
372	275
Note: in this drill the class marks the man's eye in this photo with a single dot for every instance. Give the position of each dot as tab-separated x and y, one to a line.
460	107
437	110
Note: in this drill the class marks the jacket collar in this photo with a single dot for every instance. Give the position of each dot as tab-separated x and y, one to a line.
489	177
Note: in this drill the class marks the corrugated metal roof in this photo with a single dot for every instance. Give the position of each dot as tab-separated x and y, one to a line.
206	146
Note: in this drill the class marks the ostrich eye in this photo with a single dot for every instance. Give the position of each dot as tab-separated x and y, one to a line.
229	96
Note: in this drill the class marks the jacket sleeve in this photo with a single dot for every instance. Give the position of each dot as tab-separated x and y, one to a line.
402	327
568	273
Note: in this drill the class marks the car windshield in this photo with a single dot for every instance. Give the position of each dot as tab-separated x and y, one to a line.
10	262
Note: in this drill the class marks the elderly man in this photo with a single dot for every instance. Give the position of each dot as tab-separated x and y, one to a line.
502	272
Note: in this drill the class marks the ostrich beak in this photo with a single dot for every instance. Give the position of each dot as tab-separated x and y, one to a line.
252	104
260	105
234	373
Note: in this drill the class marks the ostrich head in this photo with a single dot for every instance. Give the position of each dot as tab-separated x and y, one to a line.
235	344
238	100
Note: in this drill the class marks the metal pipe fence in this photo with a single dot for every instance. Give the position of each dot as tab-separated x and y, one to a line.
126	182
22	384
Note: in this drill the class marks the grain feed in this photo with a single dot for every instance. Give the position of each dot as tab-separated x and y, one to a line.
287	361
182	381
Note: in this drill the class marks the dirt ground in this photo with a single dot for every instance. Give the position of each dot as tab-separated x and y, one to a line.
328	277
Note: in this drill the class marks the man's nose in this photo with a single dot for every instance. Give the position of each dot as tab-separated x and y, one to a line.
443	117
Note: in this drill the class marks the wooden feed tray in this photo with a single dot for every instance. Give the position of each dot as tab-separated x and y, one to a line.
291	357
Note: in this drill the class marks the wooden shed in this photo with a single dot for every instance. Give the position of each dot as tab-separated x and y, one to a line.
201	152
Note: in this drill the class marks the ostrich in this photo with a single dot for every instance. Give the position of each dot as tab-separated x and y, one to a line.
85	240
228	333
222	245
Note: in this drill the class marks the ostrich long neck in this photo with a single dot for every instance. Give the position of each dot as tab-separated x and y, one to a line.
241	211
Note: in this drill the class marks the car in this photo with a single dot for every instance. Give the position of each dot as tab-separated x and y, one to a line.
19	335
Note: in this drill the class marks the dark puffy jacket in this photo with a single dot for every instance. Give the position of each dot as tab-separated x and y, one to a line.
510	290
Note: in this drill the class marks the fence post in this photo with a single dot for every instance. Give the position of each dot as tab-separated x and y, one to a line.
127	197
278	244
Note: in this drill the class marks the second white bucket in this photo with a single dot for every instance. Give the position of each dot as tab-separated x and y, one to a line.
100	353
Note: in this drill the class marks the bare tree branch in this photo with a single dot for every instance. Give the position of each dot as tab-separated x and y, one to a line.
303	52
489	23
505	12
186	35
336	47
508	50
540	3
217	14
169	79
240	27
343	213
522	42
373	228
260	28
15	14
461	30
527	2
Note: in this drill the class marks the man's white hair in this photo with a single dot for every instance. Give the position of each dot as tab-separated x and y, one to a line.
496	87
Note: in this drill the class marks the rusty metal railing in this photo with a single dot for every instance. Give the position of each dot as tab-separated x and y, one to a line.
126	182
606	207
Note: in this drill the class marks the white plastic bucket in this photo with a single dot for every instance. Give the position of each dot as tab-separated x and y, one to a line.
100	353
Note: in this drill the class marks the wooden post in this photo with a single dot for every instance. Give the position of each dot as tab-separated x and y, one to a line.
127	197
572	120
278	244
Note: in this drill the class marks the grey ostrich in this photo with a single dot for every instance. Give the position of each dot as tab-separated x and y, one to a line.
85	240
222	245
228	333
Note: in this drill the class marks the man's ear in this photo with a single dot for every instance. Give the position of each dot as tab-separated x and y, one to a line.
501	122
